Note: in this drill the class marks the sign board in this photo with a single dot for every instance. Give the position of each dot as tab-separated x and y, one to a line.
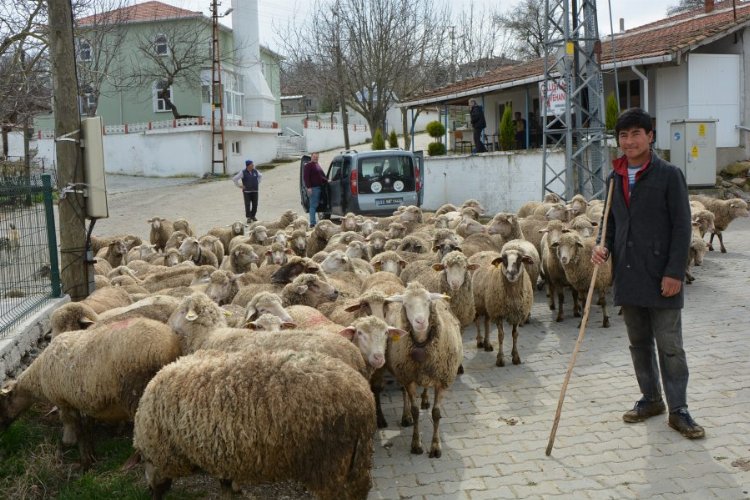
555	97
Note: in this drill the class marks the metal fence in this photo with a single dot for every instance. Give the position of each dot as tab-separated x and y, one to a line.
29	271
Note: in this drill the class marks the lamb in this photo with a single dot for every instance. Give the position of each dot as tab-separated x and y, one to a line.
428	356
574	253
192	250
115	253
388	261
223	287
72	316
277	254
725	211
705	220
241	259
184	226
130	240
506	295
100	374
161	230
329	451
107	298
698	250
226	233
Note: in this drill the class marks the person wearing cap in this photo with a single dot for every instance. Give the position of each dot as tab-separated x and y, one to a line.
249	181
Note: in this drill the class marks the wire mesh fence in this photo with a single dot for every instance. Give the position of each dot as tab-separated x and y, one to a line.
29	273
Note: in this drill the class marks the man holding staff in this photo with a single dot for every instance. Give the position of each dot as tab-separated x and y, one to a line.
649	238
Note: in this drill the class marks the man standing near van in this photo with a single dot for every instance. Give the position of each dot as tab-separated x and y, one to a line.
314	179
249	181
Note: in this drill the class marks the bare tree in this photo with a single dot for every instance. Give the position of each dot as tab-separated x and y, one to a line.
172	55
99	38
684	6
481	41
385	50
525	24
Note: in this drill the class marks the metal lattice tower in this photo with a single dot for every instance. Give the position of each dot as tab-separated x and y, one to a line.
572	52
217	98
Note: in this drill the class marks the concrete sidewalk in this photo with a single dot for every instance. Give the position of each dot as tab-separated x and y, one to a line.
496	421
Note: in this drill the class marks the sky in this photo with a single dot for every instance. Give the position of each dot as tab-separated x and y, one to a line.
276	14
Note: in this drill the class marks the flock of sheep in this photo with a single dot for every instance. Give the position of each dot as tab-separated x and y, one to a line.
257	353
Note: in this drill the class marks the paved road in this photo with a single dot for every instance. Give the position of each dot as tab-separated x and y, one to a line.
496	421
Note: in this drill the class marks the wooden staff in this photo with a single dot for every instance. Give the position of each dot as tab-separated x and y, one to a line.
582	329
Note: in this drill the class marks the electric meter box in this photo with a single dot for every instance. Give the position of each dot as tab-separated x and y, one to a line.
693	150
93	168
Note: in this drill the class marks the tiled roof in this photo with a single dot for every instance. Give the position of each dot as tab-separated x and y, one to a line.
667	37
146	11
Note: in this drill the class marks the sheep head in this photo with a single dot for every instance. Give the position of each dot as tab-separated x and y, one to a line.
310	290
456	267
512	262
371	336
335	261
269	323
417	302
266	303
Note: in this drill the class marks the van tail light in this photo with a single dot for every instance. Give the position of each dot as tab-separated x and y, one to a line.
419	179
353	183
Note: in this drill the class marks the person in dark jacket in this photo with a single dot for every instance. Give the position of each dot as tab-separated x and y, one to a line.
249	181
314	179
478	123
648	238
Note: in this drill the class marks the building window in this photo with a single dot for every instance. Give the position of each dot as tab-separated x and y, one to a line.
236	147
84	50
160	91
630	94
87	101
161	46
206	93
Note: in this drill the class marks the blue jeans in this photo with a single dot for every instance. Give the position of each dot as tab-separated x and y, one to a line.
664	326
314	202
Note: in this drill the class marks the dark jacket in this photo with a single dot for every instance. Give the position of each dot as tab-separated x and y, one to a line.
248	180
313	175
648	233
477	117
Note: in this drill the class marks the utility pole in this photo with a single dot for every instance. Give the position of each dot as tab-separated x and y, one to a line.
217	97
340	77
72	207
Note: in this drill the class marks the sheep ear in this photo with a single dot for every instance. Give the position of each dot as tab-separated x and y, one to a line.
250	312
252	325
149	221
527	260
436	296
300	289
395	298
353	307
289	251
268	253
378	266
567	230
555	244
472	267
402	263
438	267
579	244
288	325
496	262
348	332
395	333
86	321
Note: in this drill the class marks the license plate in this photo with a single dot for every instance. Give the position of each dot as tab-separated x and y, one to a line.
388	201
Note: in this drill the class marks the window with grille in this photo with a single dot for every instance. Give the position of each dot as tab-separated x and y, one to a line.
161	45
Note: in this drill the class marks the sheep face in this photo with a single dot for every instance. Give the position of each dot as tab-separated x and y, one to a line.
377	241
349	222
281	238
266	303
411	214
475	205
502	224
705	220
12	404
441	222
414	245
396	230
312	290
325	229
698	250
156	222
117	248
369	304
172	258
371	336
578	205
512	262
72	316
298	243
390	263
259	234
738	208
567	248
196	311
583	226
554	231
356	250
269	323
416	302
277	254
471	226
176	239
146	251
558	211
335	261
190	248
221	286
367	227
238	229
455	267
552	198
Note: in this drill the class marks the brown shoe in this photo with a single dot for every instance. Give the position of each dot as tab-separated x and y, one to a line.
644	409
682	422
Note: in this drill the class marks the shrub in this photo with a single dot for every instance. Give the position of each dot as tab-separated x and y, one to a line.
612	110
507	130
378	142
392	139
435	129
436	149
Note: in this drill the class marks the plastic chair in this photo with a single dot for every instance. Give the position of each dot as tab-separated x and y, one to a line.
459	141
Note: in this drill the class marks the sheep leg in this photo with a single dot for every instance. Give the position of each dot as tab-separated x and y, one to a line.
560	303
603	303
551	295
416	442
576	304
71	425
425	399
435	450
500	338
514	352
407	418
85	443
158	485
487	342
480	340
711	242
376	386
721	242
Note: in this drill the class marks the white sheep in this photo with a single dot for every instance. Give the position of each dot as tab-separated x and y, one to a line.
428	355
226	233
192	250
245	411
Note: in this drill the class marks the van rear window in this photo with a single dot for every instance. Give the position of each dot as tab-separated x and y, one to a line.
391	174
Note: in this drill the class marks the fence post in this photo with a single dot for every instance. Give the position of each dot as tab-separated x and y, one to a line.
51	237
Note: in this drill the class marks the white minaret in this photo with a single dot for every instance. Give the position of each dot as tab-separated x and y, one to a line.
260	103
